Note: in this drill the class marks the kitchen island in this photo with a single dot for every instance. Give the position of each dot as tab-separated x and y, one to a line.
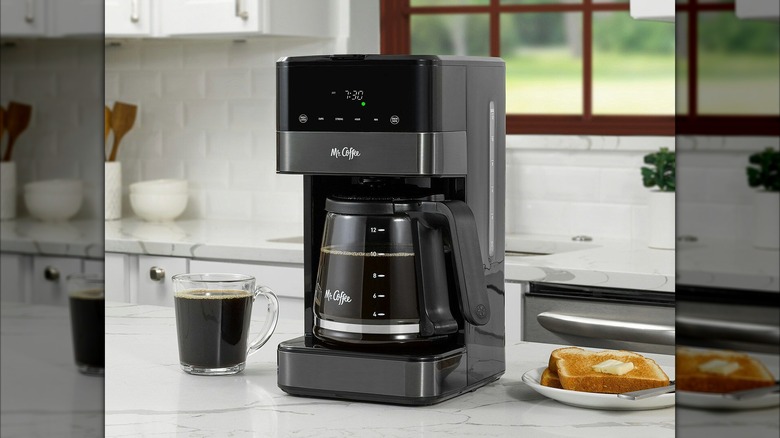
148	394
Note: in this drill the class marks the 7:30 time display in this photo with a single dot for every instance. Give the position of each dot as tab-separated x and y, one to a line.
354	94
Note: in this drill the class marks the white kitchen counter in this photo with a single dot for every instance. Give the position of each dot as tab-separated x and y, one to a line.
728	264
77	238
43	394
148	394
602	262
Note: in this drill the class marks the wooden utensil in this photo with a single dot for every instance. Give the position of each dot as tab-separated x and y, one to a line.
17	118
107	124
122	120
2	123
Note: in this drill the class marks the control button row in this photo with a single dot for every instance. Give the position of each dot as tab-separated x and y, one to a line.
303	118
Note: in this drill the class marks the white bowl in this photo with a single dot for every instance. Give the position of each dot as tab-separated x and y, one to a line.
53	200
160	186
155	207
71	186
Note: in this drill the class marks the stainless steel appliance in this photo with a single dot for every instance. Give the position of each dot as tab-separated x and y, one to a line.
600	317
403	164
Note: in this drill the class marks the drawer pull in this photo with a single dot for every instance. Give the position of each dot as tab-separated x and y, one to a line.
156	273
51	273
607	329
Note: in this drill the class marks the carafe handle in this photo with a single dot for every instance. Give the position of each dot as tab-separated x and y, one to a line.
433	299
469	272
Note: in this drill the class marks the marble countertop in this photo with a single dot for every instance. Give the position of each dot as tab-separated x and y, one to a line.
148	394
43	394
76	238
728	264
602	262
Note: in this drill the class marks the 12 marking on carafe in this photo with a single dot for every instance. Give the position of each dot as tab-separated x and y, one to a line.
377	275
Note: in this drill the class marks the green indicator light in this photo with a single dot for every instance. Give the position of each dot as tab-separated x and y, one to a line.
362	104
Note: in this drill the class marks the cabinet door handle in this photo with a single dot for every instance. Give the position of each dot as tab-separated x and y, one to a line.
29	11
51	273
607	328
156	273
241	10
135	10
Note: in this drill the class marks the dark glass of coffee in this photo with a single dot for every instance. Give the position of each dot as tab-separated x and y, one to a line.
86	296
213	314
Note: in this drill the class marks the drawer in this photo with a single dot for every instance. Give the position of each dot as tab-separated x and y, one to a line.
285	280
590	320
154	279
48	279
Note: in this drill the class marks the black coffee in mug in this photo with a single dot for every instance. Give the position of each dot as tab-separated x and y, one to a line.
213	327
87	319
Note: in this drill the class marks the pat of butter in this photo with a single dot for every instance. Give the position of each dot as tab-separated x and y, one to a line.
719	366
612	366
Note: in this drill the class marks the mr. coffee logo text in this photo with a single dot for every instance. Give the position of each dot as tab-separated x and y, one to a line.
348	153
337	295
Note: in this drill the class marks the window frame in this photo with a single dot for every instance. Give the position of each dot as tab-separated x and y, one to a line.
395	38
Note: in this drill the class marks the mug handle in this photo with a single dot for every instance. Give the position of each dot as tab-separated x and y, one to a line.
270	323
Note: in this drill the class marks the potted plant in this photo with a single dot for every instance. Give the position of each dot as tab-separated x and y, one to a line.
764	174
661	174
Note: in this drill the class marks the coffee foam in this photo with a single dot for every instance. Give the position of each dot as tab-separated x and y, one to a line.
205	294
89	294
331	250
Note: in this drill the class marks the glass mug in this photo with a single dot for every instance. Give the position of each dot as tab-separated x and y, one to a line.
213	312
86	299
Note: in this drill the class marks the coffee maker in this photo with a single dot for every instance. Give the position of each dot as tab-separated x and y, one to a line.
403	162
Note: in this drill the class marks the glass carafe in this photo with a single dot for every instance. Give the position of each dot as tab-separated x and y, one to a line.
383	277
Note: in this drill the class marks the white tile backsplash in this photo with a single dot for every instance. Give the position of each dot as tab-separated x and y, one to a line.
207	113
571	185
61	79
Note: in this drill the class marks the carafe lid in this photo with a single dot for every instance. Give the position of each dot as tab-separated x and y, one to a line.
373	205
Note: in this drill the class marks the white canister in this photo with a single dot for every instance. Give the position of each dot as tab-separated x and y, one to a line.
113	179
662	215
766	220
7	190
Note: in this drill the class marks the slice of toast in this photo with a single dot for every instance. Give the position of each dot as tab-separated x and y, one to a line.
750	374
550	379
552	365
574	367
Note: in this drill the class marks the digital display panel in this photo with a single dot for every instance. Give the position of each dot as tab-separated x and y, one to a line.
367	98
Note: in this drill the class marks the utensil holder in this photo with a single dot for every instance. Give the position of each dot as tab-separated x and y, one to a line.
7	190
113	180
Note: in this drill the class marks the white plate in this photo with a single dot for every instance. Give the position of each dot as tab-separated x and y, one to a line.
716	400
593	400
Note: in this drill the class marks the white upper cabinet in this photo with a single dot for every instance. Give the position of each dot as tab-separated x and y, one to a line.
229	18
206	17
51	18
128	18
655	10
75	18
22	18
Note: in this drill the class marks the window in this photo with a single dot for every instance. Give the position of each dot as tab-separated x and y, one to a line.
581	66
728	71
